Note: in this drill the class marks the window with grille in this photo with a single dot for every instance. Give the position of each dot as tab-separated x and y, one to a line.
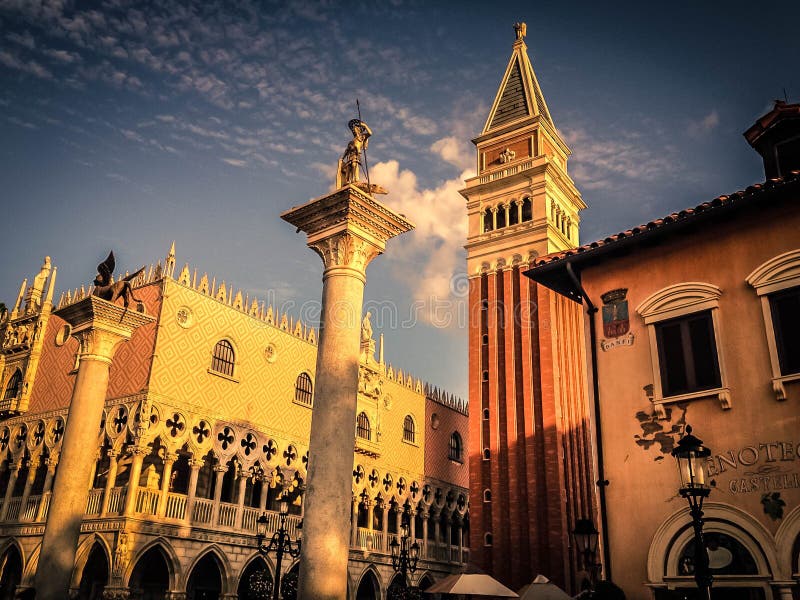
223	359
409	429
303	389
456	447
363	429
12	389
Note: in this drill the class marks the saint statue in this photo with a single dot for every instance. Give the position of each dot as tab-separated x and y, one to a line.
366	328
351	159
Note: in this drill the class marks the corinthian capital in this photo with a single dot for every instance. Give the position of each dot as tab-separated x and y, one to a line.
345	250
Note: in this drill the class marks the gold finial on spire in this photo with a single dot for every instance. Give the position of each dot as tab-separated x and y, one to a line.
521	29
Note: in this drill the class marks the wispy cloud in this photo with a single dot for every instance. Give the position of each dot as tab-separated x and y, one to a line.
705	125
235	162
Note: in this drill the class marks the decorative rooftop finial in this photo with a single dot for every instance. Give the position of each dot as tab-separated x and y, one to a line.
521	29
106	290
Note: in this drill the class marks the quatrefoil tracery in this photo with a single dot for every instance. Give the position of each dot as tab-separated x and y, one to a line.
290	454
38	433
373	478
358	474
201	431
248	444
225	437
176	424
270	449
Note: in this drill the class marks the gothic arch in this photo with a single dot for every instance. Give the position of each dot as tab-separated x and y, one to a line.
13	542
786	536
82	555
225	570
30	565
675	532
254	557
12	575
173	563
369	572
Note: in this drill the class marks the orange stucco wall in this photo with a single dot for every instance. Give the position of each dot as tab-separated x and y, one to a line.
643	477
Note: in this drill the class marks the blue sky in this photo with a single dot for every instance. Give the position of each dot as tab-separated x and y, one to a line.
127	125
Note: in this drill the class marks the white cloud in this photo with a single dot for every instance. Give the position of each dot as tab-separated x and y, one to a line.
235	162
428	257
705	125
455	151
31	66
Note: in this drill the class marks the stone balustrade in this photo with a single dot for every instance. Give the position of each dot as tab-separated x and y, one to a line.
367	541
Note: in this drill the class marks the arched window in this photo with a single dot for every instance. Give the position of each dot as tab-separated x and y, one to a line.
487	495
456	447
527	209
363	429
501	216
487	539
409	429
485	414
513	213
14	385
487	219
487	454
223	359
303	389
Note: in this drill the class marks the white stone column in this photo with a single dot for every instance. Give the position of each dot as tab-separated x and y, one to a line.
12	482
412	524
166	474
110	481
100	328
26	492
354	523
133	480
194	471
52	463
385	526
93	470
219	472
240	498
262	499
347	228
424	516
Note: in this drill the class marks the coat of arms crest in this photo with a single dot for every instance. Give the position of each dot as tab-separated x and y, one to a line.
615	313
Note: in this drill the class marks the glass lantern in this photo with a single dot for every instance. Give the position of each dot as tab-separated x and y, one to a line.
691	456
585	536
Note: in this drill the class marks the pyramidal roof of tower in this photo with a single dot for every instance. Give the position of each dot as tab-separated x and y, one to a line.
519	95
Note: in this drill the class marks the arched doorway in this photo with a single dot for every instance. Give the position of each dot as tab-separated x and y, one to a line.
150	577
255	582
205	580
95	575
396	587
10	572
368	587
289	583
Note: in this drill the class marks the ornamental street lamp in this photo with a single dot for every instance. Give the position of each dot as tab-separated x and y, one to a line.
691	456
404	555
585	535
280	543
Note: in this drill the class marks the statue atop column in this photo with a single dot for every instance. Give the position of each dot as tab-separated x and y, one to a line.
106	289
350	164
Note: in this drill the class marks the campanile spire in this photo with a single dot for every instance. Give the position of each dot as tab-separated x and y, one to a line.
528	410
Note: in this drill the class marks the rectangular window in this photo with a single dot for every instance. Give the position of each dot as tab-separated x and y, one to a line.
687	354
785	308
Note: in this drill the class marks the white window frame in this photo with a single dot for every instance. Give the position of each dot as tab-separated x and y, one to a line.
679	300
777	274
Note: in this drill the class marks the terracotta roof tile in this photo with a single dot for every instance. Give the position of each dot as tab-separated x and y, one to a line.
678	217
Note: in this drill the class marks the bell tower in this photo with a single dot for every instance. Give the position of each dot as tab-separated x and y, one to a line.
530	460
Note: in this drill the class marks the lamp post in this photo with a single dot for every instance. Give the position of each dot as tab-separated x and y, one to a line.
585	535
404	555
281	543
691	456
